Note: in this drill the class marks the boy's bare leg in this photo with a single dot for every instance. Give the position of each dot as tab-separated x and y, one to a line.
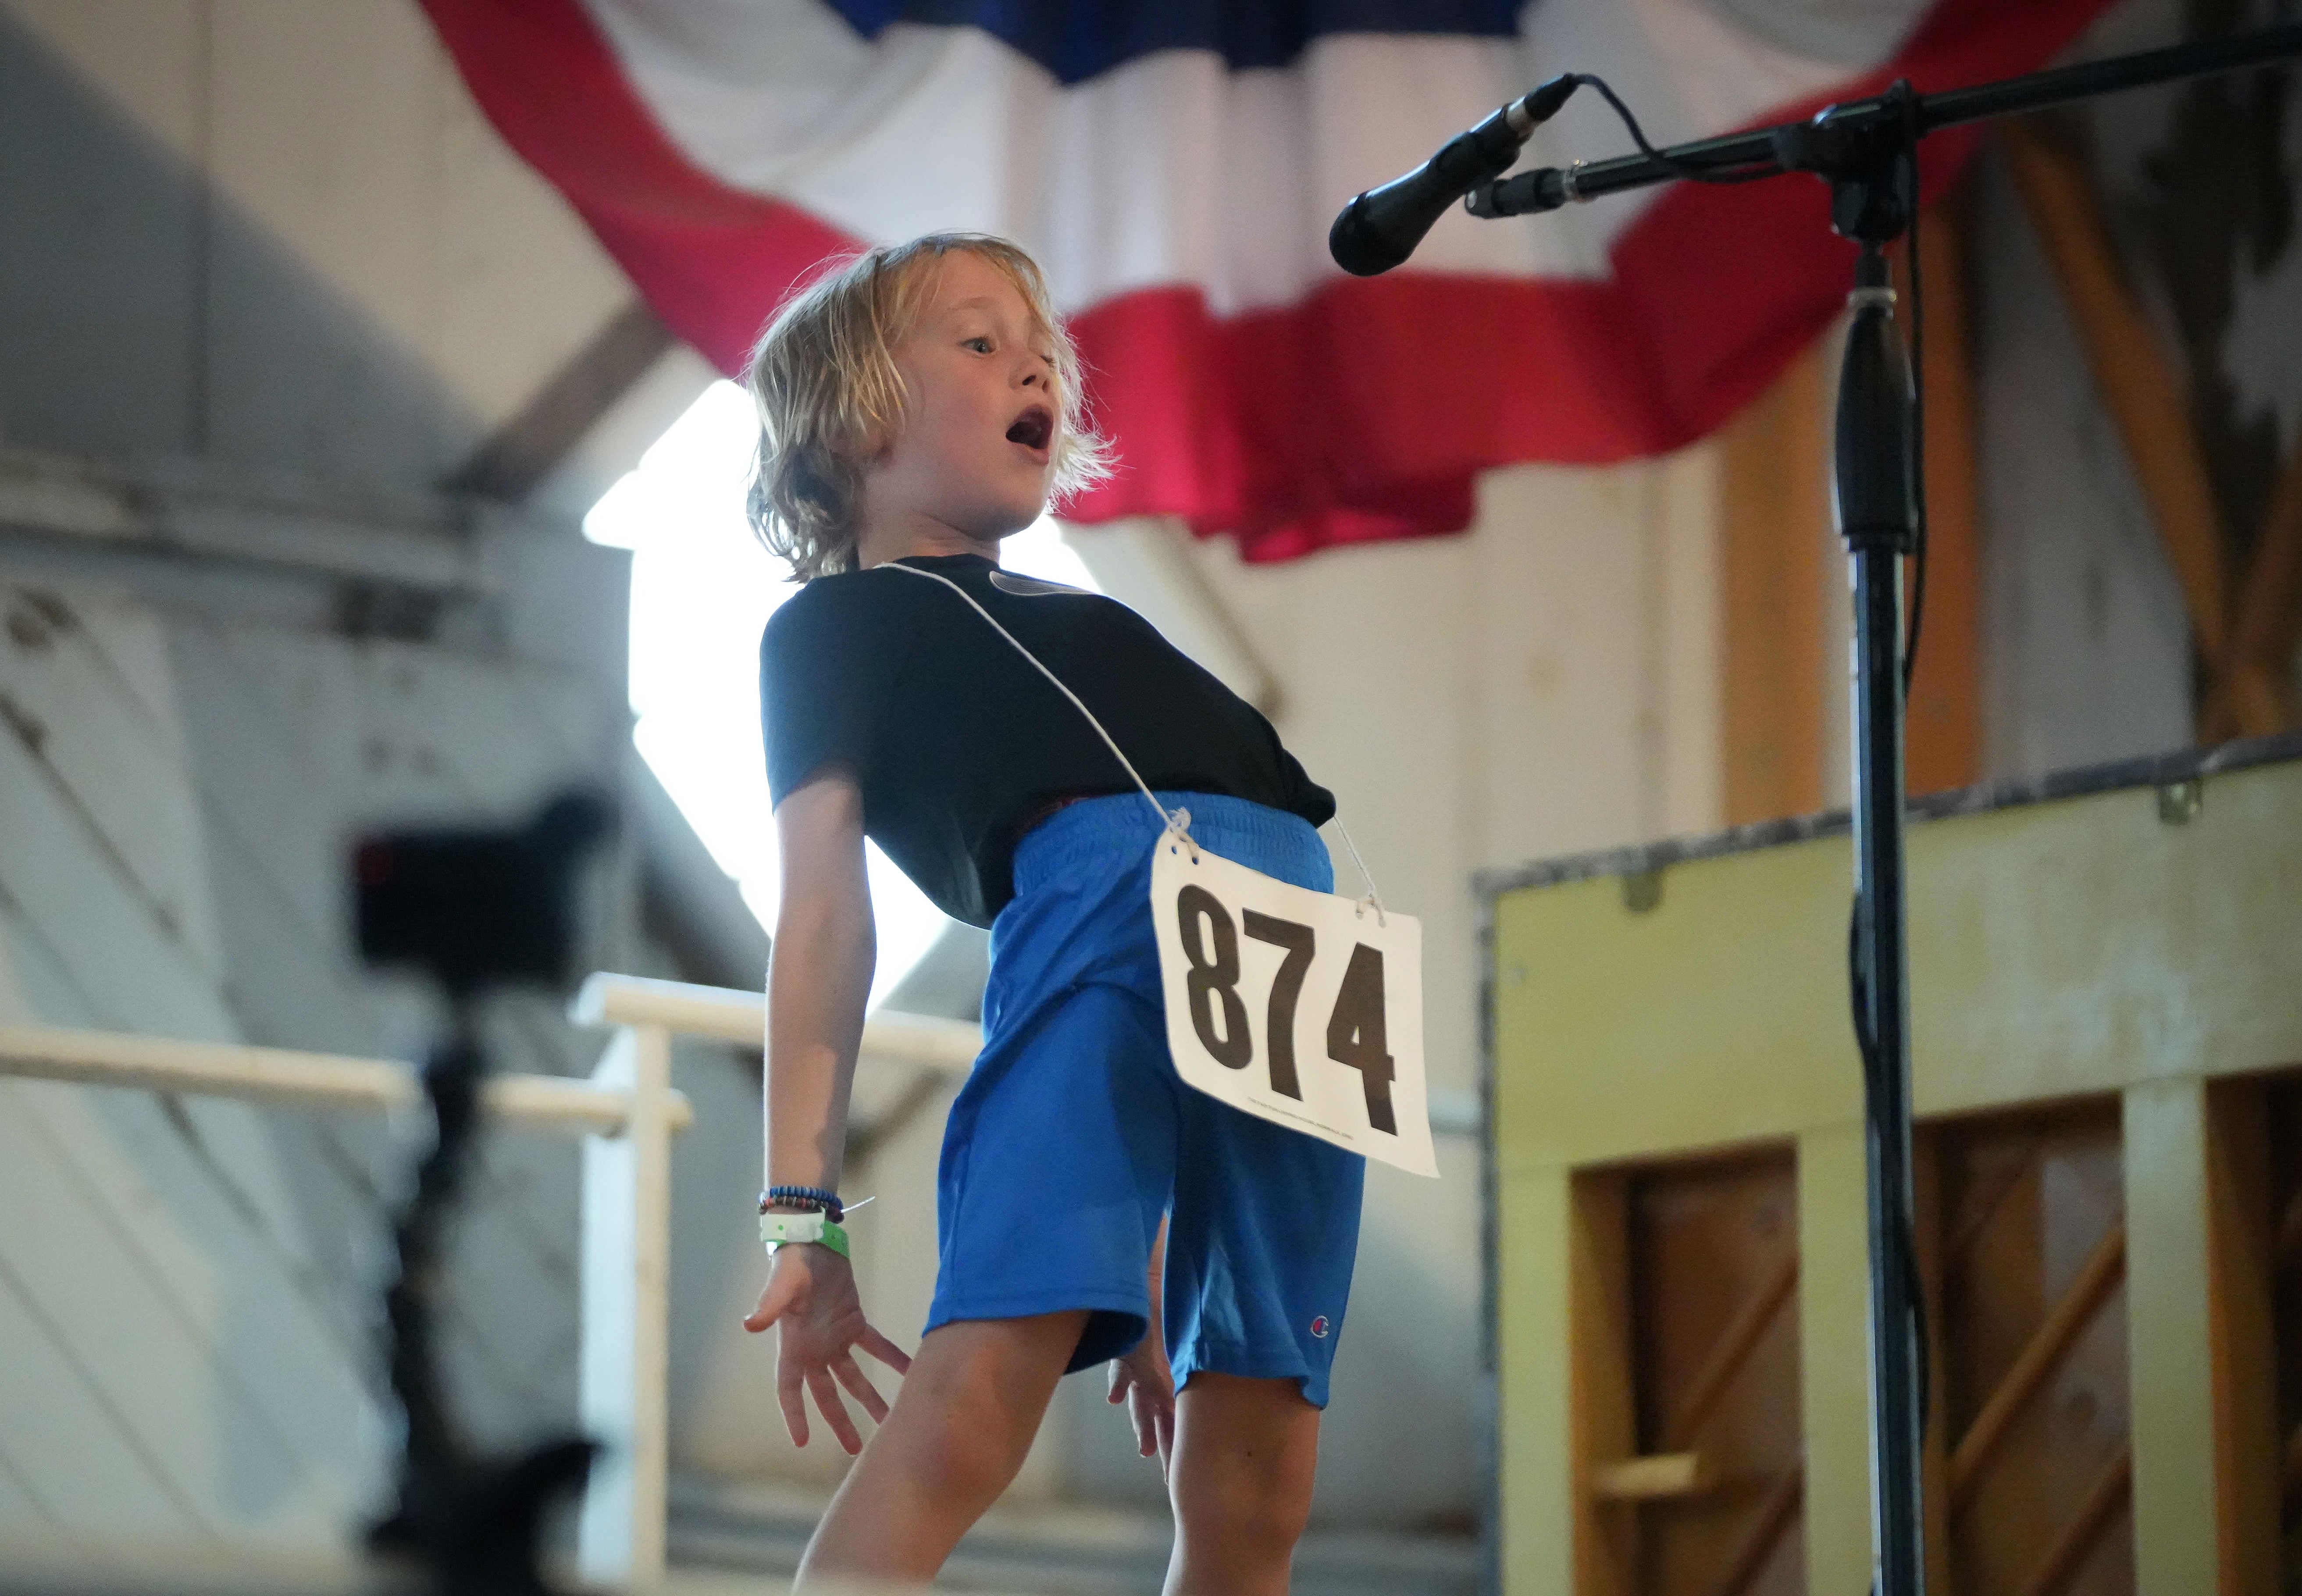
1245	1453
958	1432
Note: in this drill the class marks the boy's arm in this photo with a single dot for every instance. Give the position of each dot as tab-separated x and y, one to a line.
819	979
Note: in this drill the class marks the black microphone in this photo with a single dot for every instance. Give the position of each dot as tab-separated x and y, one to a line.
1381	228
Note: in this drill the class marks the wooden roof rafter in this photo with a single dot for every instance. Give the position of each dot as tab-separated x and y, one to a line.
2245	631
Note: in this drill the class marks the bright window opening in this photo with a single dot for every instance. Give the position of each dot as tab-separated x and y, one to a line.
703	587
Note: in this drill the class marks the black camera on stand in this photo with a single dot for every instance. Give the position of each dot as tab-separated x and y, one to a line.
474	911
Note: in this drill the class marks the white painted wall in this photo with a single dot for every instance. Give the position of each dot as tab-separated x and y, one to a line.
280	235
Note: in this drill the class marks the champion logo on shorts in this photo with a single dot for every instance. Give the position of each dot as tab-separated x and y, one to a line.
1319	1327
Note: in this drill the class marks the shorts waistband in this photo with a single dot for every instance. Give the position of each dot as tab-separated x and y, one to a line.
1096	829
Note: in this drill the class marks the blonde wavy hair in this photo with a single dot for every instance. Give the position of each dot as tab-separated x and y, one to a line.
824	382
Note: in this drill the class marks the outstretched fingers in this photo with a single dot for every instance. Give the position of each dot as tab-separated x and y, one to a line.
884	1350
835	1412
850	1376
788	1397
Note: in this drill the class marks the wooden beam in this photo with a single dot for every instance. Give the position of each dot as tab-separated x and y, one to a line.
1649	1479
2258	697
1774	540
2138	383
516	455
1945	735
2096	1278
2240	1269
1604	1424
2085	1527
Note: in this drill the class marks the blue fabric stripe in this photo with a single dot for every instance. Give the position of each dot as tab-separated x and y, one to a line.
1079	39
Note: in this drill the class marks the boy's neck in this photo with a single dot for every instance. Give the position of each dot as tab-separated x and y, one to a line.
913	537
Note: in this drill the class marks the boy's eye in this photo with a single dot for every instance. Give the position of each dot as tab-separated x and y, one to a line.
980	345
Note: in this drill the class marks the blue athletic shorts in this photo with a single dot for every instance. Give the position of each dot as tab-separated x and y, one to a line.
1073	1134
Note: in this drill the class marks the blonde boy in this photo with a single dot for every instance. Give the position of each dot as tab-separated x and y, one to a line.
918	404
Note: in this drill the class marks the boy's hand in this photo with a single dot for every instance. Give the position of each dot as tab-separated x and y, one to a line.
810	1293
1142	1380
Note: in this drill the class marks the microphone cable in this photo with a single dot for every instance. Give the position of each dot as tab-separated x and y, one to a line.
1907	174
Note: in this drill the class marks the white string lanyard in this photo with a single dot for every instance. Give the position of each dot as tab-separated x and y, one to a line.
1176	824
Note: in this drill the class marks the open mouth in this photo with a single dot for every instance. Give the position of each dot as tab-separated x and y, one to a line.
1034	429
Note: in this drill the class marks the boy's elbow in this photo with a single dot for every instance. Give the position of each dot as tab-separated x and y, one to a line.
827	916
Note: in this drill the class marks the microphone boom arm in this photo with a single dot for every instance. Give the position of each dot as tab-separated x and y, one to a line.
1792	146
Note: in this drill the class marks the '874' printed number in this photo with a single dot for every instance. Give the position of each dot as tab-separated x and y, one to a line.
1269	985
1354	1027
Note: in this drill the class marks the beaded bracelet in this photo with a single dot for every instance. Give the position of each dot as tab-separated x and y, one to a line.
814	1198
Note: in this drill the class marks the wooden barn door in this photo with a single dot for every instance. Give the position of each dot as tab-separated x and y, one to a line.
1689	1399
2023	1239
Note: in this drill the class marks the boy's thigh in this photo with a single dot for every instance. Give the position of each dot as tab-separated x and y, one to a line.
1057	1171
1003	1366
1261	1249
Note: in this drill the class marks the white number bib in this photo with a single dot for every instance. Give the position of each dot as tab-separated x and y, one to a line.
1299	1007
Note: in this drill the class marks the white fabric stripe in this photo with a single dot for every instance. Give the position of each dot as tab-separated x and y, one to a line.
1173	169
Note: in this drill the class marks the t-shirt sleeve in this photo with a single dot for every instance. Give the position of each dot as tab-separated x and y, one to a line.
826	662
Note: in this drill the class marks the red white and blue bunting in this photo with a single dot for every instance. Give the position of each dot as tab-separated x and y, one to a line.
1174	166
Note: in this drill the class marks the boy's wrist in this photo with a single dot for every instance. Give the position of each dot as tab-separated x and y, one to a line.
778	1229
803	1199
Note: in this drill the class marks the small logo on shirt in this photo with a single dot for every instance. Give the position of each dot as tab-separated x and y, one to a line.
1031	587
1319	1327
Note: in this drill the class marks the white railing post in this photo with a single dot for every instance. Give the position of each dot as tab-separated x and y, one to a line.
624	1402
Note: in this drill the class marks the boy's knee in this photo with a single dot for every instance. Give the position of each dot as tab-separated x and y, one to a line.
971	1447
969	1463
1248	1503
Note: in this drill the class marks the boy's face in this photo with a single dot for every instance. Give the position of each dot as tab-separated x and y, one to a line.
976	450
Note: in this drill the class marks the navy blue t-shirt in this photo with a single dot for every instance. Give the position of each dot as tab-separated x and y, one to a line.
958	743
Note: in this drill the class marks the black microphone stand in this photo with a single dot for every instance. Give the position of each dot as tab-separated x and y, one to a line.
1867	151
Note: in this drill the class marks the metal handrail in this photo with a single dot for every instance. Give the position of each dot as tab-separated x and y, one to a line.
282	1074
628	1114
724	1014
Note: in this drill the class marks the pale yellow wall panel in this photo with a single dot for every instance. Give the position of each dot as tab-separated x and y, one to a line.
2076	947
1833	1301
2170	1343
2055	949
2079	947
1719	1016
1536	1385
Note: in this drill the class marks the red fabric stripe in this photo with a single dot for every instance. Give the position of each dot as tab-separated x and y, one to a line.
712	260
1363	413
